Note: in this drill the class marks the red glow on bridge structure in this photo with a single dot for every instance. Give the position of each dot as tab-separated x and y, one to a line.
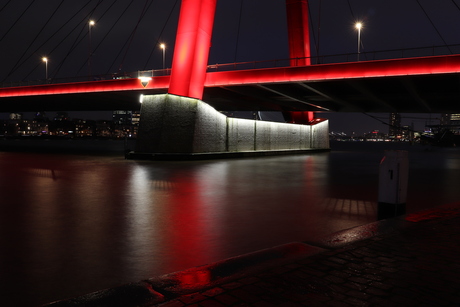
114	85
311	73
191	51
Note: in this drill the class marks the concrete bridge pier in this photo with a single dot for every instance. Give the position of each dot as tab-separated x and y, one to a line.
176	127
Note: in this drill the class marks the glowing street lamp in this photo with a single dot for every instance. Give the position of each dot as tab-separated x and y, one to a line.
358	26
45	60
91	23
163	46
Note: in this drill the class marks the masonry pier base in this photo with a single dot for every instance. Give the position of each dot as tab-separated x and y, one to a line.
180	128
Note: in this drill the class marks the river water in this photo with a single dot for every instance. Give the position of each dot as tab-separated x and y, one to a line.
73	224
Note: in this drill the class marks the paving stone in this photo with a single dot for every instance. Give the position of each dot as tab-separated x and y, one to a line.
173	303
249	280
211	303
231	285
192	298
213	292
413	266
226	299
244	295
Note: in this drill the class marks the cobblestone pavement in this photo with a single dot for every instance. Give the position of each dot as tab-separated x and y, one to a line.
413	260
415	265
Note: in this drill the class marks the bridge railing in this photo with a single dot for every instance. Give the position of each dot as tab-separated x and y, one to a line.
345	57
98	77
315	60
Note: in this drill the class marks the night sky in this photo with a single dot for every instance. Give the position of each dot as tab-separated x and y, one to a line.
127	35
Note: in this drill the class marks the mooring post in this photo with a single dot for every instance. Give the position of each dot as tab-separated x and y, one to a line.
393	180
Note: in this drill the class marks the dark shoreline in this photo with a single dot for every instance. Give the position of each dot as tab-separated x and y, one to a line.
67	145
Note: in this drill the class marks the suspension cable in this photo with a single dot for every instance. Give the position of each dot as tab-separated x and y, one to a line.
67	36
238	30
161	33
77	40
49	38
33	41
5	5
312	32
17	20
319	30
351	10
105	36
353	16
133	33
455	3
434	26
126	43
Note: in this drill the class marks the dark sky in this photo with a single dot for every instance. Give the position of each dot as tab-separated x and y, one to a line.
127	34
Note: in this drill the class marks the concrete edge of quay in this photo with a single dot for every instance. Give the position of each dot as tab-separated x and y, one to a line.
218	155
167	287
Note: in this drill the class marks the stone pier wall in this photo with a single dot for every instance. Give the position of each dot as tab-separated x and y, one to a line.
173	124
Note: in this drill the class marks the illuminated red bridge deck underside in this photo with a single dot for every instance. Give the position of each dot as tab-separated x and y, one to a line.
428	84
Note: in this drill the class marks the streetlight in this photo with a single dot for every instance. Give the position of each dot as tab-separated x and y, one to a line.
163	46
45	60
91	23
358	26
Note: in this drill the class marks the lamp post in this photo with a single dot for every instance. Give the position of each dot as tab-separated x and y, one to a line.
91	23
358	26
45	60
163	46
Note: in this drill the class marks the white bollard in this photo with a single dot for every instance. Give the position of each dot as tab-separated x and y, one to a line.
393	177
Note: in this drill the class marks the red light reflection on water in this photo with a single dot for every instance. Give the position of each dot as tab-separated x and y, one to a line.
186	222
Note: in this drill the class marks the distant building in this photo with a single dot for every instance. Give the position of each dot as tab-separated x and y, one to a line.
15	116
451	122
126	123
104	128
375	136
395	130
445	119
121	117
84	128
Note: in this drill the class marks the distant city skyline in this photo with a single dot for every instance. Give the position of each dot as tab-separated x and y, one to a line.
349	123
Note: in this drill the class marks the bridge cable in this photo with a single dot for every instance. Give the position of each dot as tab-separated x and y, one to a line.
313	33
353	16
388	124
49	38
319	31
33	41
17	20
434	26
127	41
133	33
106	34
238	31
77	40
5	5
85	18
455	3
161	33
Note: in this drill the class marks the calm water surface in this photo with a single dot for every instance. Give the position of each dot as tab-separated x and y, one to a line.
73	224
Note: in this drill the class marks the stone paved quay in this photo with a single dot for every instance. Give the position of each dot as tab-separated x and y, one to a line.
413	260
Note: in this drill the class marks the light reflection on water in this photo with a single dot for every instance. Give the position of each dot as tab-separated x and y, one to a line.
70	225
